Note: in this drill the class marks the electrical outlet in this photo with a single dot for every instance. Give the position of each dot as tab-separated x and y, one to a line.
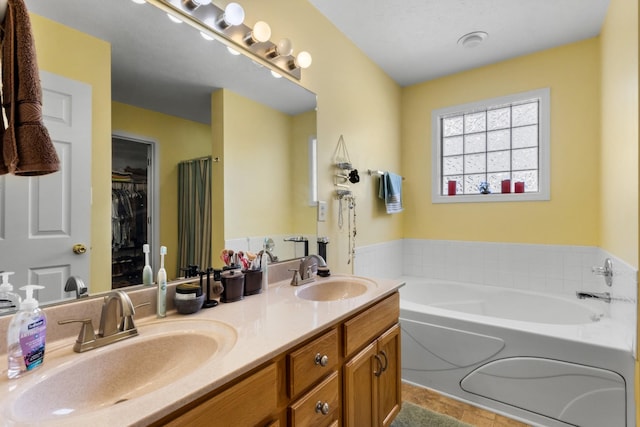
322	211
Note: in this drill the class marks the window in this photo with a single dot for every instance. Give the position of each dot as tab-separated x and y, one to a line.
492	150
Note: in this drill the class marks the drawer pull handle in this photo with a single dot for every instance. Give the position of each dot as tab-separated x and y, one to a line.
380	365
322	360
386	360
322	408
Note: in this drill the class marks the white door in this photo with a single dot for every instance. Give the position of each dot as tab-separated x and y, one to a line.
42	218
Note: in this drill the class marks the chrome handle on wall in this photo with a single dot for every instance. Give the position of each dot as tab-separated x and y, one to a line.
606	271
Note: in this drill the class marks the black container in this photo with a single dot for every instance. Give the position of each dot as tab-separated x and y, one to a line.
252	282
233	283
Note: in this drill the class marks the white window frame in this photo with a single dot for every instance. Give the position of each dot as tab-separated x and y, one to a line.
544	160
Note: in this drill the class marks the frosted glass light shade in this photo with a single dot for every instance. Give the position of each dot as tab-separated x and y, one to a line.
233	15
304	59
285	47
206	36
174	19
261	31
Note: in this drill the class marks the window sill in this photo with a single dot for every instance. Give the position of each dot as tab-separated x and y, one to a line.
489	198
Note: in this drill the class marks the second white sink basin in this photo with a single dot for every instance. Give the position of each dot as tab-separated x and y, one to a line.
163	353
335	288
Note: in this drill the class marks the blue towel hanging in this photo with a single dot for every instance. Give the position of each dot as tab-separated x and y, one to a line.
391	192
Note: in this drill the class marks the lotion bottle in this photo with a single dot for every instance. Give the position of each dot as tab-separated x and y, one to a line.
147	272
26	336
162	285
9	300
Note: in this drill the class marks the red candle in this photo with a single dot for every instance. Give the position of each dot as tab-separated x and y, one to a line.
452	187
519	187
506	186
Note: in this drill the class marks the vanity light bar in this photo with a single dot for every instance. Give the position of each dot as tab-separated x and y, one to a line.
239	37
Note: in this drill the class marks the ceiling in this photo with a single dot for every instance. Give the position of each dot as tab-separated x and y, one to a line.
168	67
417	40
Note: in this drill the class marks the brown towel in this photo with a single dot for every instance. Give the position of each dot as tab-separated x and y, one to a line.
26	145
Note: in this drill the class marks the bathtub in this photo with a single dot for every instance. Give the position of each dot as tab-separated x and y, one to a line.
547	360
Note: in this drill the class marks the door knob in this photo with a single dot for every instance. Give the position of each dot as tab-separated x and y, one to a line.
79	249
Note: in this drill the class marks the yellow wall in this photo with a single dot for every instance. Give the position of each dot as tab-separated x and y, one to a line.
571	216
257	172
75	55
177	139
355	99
619	156
304	216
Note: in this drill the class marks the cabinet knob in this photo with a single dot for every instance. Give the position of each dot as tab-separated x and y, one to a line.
322	360
322	408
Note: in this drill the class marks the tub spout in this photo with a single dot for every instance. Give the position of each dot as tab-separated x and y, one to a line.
604	296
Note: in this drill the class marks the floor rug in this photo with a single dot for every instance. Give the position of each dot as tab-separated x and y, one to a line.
416	416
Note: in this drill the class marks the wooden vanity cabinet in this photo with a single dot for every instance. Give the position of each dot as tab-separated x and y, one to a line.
372	377
347	375
251	402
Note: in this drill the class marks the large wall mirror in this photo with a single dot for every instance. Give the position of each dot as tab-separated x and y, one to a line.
158	81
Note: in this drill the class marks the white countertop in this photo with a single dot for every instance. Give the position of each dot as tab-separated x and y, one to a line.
266	325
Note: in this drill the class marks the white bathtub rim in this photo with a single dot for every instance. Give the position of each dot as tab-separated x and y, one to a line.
605	332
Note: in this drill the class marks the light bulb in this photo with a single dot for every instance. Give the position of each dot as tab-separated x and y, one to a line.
261	33
303	59
194	4
285	47
233	15
174	19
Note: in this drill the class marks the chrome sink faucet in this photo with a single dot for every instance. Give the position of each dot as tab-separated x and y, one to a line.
308	269
116	323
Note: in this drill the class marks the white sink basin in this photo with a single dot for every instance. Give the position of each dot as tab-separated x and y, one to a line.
164	352
335	288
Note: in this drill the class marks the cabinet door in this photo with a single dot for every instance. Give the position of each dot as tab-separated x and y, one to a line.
389	387
360	388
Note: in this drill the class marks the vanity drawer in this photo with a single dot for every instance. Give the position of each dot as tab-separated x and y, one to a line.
320	407
312	362
366	326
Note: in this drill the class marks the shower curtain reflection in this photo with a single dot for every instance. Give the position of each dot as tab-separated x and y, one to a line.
194	213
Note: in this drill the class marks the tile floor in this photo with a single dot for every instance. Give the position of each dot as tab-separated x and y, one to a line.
461	411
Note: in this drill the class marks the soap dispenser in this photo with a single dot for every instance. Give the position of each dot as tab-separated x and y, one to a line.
26	336
9	300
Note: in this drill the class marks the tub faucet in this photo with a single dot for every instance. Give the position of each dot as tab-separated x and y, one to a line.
604	296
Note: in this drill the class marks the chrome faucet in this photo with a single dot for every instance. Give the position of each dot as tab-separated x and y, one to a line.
75	284
604	296
116	323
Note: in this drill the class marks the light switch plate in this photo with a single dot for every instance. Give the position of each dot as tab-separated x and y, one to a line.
322	211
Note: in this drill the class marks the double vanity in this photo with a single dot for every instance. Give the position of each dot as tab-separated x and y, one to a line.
326	353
